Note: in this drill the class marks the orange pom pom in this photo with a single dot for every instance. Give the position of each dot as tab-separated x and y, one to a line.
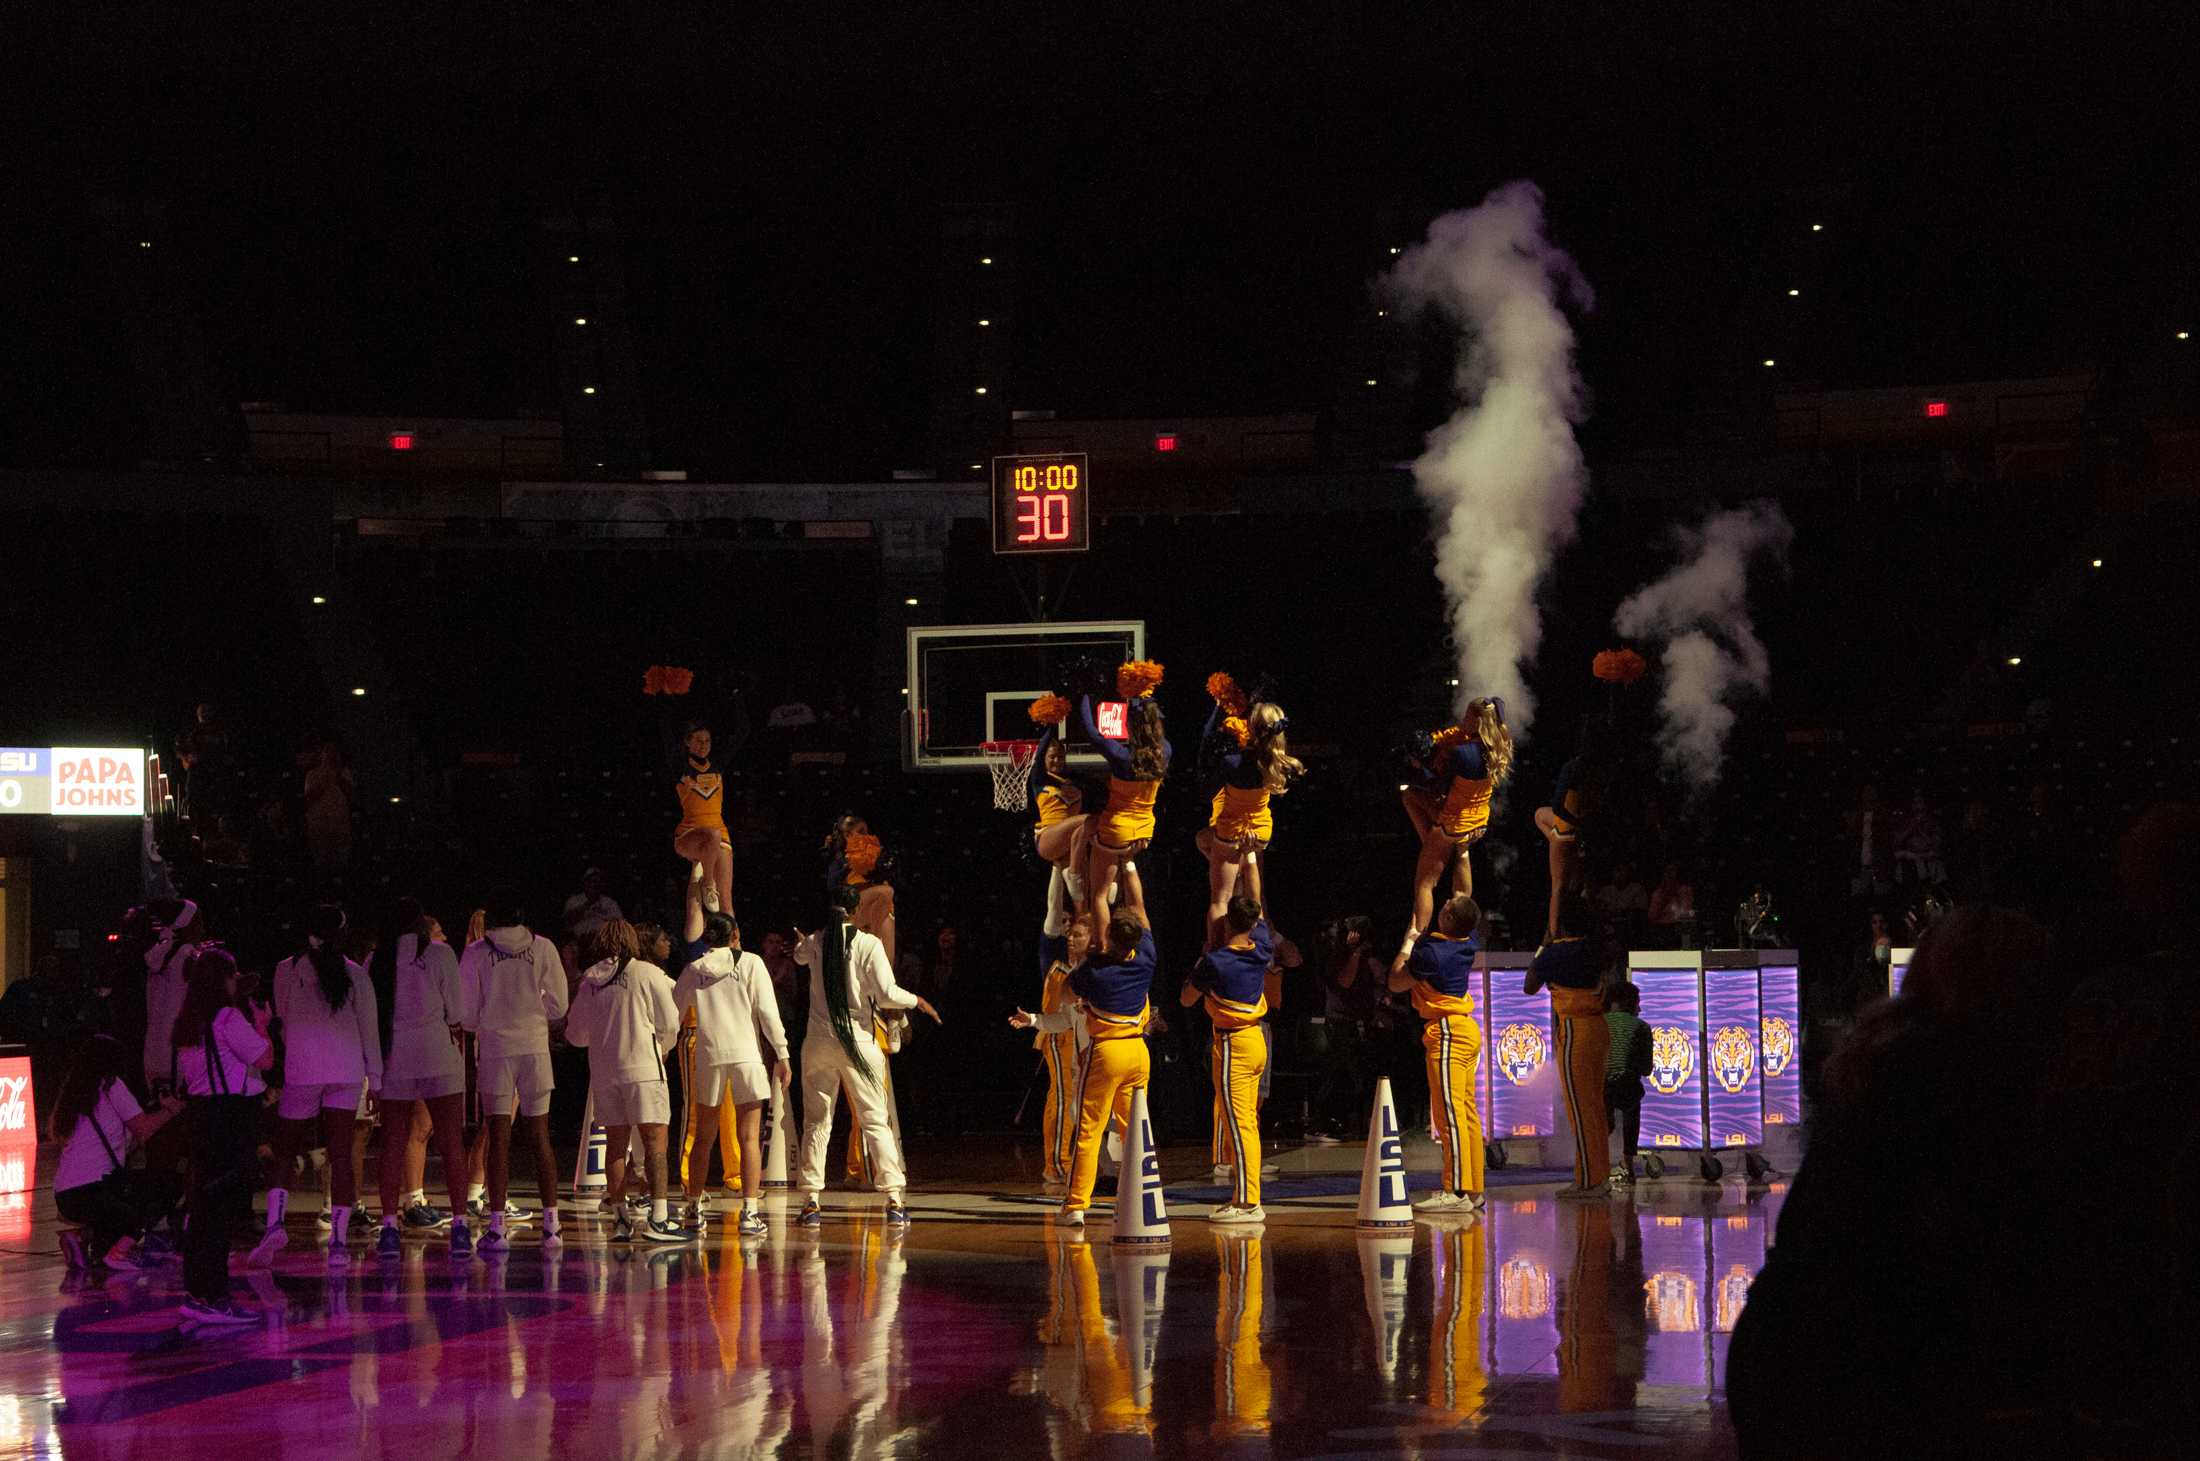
1450	735
1138	679
862	853
1618	667
1226	693
653	680
1049	709
678	681
1238	728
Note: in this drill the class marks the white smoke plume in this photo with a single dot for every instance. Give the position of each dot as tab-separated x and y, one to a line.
1699	615
1503	477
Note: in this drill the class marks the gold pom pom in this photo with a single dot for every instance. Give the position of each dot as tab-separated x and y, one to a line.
1049	709
1138	679
1228	695
862	853
1618	667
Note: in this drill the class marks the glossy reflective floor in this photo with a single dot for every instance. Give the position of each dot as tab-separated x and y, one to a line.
1542	1329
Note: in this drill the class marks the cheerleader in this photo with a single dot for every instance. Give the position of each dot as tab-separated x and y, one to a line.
1570	964
1437	969
624	1014
332	1044
416	996
850	984
1059	801
855	859
1060	1037
1124	828
1582	784
701	837
221	1054
1114	985
1448	800
1245	744
1232	981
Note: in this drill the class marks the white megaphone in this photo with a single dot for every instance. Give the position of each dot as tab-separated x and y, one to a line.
1383	1205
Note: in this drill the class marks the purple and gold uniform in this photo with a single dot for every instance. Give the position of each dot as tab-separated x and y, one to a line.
1443	975
1234	982
1116	1063
1127	820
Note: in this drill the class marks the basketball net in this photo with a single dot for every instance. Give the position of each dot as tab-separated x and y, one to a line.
1010	762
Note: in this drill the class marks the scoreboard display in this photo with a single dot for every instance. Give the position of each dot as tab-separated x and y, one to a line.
1042	504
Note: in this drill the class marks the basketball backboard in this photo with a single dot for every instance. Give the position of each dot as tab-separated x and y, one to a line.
973	683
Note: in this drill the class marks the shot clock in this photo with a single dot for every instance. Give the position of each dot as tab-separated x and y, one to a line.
1042	504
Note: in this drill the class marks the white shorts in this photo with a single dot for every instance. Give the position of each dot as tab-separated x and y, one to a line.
423	1087
303	1103
740	1084
632	1103
526	1077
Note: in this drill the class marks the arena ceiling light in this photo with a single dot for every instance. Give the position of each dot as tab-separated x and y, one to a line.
359	690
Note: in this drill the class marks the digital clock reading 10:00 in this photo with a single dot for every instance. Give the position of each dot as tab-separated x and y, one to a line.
1041	504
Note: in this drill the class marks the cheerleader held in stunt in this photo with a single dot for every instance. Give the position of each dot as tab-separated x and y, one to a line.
1124	828
1448	800
701	837
1245	743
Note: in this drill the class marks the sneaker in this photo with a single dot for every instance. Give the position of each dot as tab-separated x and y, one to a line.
811	1216
622	1229
119	1259
553	1238
696	1218
226	1314
462	1241
157	1248
421	1218
1071	1217
493	1242
666	1232
1322	1138
1477	1201
637	1206
514	1213
754	1226
701	1204
338	1256
388	1244
72	1248
360	1220
1230	1212
1572	1193
1441	1201
897	1216
1224	1171
271	1243
477	1209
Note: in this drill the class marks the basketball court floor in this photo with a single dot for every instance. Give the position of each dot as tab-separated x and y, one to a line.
1541	1329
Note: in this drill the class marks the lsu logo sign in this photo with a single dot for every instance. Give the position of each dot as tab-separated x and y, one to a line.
1733	1057
1521	1051
1672	1058
1779	1045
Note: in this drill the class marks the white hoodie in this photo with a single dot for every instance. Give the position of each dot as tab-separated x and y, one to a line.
730	991
871	986
424	1005
627	1019
321	1046
511	986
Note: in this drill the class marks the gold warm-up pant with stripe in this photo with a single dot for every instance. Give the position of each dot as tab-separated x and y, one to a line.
1453	1045
1584	1040
729	1123
1058	1124
1237	1057
1110	1071
1458	1385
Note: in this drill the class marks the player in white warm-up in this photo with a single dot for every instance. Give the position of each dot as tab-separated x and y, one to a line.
850	983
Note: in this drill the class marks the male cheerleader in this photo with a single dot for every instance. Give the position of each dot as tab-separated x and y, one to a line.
1113	986
1438	969
1232	979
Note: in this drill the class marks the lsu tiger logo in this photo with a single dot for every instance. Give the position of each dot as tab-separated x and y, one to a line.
1671	1303
1523	1289
1672	1058
1521	1051
1733	1056
1779	1045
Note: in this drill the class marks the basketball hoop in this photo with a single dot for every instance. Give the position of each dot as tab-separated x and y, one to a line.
1010	762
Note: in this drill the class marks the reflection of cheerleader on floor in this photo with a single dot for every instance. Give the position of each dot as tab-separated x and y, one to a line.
1448	799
